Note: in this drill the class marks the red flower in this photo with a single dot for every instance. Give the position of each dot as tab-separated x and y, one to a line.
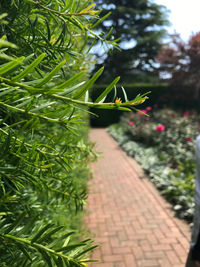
186	113
160	128
142	111
148	108
131	123
189	139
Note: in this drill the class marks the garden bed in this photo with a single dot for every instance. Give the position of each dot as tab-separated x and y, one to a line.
163	144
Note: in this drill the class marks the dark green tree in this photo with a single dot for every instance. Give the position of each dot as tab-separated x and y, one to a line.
139	25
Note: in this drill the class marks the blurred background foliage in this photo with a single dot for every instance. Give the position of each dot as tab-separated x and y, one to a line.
140	28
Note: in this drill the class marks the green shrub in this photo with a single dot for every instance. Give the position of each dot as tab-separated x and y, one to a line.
44	150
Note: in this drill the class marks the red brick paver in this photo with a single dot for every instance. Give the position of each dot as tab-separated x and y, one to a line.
132	223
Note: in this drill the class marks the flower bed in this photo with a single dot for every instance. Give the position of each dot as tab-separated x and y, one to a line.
163	144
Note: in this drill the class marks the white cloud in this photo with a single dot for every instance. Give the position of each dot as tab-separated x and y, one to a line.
184	16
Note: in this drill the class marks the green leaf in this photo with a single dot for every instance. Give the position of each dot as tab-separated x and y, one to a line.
89	84
46	257
100	20
73	88
50	233
43	106
109	33
8	66
4	43
29	68
24	250
40	232
15	224
6	91
85	251
115	94
125	95
107	90
70	247
68	82
51	74
86	96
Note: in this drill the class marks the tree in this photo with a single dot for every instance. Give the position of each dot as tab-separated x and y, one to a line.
180	61
139	26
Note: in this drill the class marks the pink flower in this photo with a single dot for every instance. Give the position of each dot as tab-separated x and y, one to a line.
189	139
131	123
160	128
142	111
148	108
186	113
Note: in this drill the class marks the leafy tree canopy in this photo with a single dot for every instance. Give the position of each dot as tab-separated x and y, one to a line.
180	61
139	25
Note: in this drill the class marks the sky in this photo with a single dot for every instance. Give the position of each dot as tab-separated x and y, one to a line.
184	16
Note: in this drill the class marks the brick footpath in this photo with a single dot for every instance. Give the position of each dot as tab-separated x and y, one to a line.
132	223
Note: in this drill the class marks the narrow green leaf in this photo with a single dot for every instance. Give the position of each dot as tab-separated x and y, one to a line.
100	20
40	232
109	33
24	103
58	261
24	250
69	82
115	94
29	68
48	30
86	96
13	226
104	107
42	106
50	233
85	251
4	43
89	84
70	247
46	257
73	88
6	91
125	95
51	74
107	90
8	66
124	109
114	107
60	239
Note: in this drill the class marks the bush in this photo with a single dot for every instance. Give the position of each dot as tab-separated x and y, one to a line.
164	146
44	153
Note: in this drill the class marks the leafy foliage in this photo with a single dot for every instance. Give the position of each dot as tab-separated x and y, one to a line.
181	61
166	153
44	155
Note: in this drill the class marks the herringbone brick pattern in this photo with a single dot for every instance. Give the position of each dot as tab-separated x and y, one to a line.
132	223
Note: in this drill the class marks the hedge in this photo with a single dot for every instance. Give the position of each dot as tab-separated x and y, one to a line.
158	94
161	94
